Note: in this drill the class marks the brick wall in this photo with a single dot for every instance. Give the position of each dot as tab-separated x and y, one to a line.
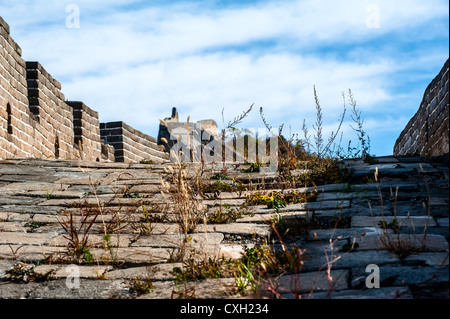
86	127
427	133
36	121
17	132
54	127
130	144
108	152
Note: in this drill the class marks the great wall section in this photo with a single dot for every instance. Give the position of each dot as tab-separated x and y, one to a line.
426	133
37	121
101	203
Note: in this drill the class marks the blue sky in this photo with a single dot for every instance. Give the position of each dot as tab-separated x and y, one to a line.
134	60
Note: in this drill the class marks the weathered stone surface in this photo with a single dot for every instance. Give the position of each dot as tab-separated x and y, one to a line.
231	251
28	253
443	222
406	275
160	229
18	200
428	259
64	271
311	281
319	205
196	241
335	196
5	265
406	186
215	288
30	209
335	205
55	194
431	243
242	229
57	289
231	202
13	227
42	218
134	255
149	250
14	217
355	258
265	218
412	221
158	272
94	240
13	238
378	293
342	233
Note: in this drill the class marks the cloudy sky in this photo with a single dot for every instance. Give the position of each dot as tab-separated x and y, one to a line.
134	60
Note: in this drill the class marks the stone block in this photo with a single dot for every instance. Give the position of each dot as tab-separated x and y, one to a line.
428	259
404	242
154	272
407	221
196	241
63	271
311	281
12	238
242	229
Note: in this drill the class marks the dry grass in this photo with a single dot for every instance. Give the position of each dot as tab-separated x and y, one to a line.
401	244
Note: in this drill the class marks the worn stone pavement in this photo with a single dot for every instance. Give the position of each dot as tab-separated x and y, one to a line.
37	195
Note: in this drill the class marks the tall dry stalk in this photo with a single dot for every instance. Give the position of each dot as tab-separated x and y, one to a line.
187	207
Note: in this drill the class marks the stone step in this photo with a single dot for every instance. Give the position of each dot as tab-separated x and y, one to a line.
408	221
30	231
196	241
302	283
379	293
404	242
395	275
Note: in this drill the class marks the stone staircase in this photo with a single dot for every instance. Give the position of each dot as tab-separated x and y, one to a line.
382	211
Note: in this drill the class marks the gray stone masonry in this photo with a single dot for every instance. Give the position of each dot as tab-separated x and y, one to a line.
427	133
131	145
169	130
36	120
38	195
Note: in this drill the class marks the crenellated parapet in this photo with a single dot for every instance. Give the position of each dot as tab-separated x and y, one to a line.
37	121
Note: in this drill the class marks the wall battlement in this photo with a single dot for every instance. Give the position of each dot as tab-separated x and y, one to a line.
37	121
130	144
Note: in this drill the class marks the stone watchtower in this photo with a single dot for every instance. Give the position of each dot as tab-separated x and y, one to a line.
172	124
